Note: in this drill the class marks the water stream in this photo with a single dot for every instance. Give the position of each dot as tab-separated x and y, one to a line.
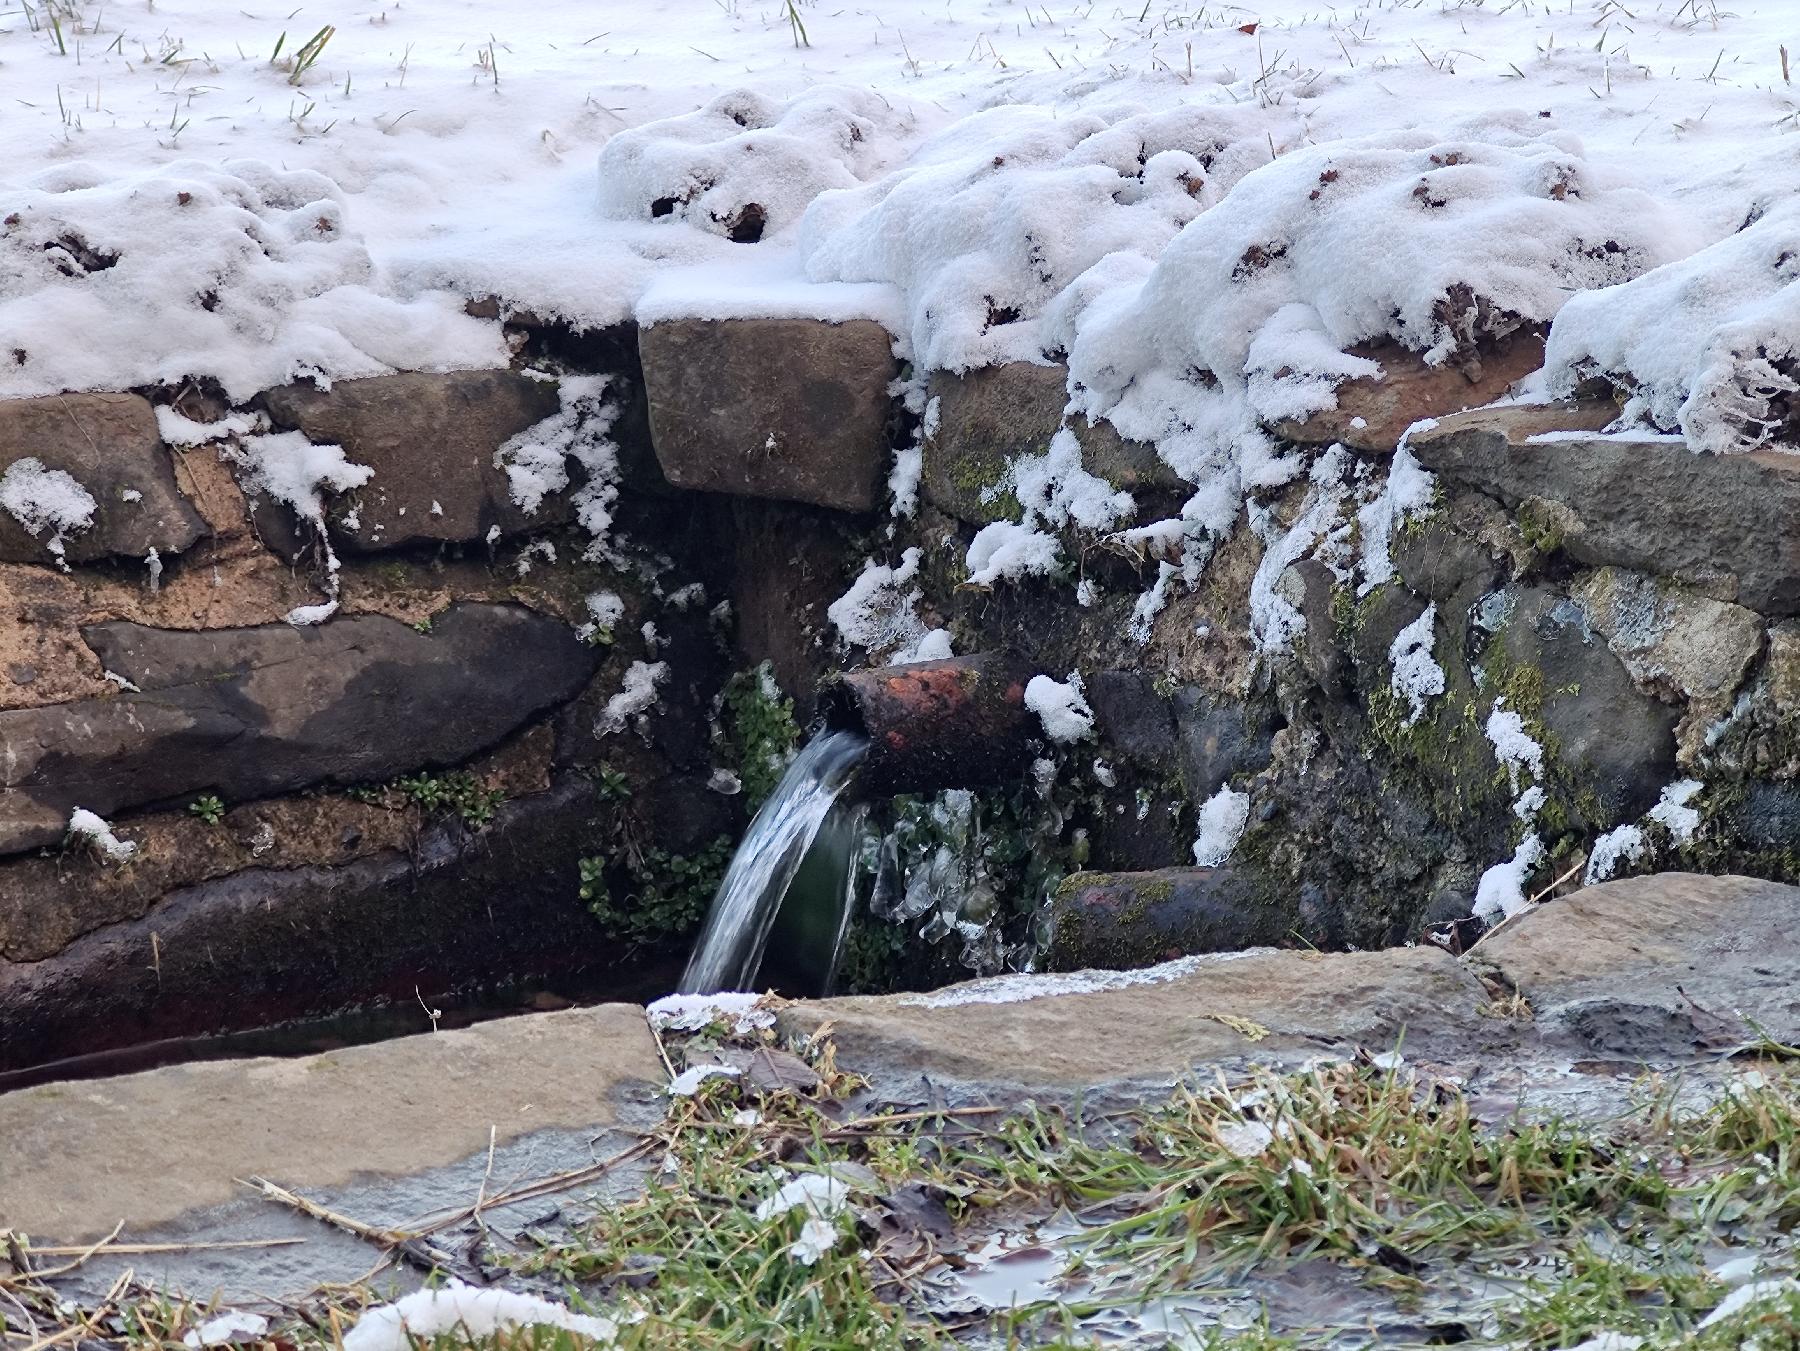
730	949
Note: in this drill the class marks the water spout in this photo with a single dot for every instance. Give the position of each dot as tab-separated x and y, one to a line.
730	948
957	723
888	730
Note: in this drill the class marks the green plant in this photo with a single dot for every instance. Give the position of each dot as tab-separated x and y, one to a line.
458	791
762	729
208	808
663	896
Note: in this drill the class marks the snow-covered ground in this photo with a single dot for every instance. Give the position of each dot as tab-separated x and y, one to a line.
178	198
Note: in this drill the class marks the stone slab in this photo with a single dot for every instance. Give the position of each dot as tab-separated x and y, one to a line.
795	409
1310	1003
149	1148
251	712
109	444
1661	967
1728	525
431	440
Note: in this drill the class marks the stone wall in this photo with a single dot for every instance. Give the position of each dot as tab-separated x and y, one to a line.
413	796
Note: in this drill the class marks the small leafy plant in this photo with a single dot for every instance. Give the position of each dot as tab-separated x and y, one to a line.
208	808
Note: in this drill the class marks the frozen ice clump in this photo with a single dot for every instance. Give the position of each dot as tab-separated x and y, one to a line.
993	217
1708	346
635	699
244	272
45	500
744	165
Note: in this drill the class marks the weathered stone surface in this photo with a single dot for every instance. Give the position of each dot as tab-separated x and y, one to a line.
449	911
795	409
1658	967
147	1148
109	444
1609	737
1117	921
1219	738
1728	525
1676	643
1009	1032
1372	414
1445	558
787	568
247	713
431	439
988	417
1133	720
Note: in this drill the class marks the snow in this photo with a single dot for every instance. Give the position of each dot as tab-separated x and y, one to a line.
1416	678
1706	345
636	697
1618	846
476	1314
1021	988
1514	747
227	1328
46	500
1060	707
879	612
1222	820
536	461
818	1194
185	433
1407	493
1747	1295
92	830
605	609
289	468
1008	550
687	1083
1245	1139
1673	813
1501	890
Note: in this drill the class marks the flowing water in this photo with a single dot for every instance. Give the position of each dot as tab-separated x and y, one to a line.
731	945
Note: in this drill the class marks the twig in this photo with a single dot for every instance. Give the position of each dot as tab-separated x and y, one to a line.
139	1249
556	1182
861	1122
481	1192
387	1238
82	1255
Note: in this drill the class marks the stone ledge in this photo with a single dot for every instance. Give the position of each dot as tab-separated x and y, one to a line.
795	409
248	713
1728	525
146	1148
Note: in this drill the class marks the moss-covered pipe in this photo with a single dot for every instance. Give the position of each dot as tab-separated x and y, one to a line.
957	723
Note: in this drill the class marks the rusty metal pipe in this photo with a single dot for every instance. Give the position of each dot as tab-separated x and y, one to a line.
957	723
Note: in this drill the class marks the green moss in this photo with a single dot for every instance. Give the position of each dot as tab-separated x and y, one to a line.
971	476
1538	527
